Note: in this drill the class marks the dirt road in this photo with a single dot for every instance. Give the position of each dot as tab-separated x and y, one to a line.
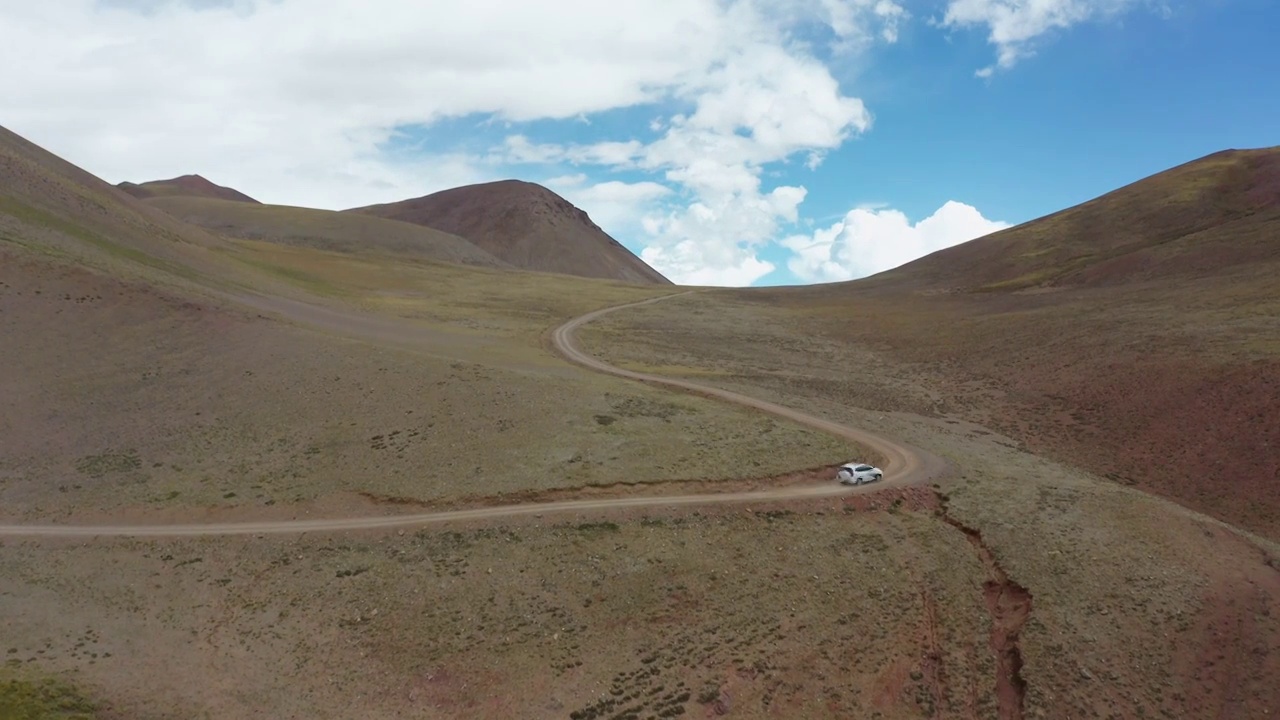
903	465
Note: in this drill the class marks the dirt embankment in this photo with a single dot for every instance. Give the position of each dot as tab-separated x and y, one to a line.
1009	605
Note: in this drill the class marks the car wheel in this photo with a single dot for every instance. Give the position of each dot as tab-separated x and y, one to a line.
878	476
857	480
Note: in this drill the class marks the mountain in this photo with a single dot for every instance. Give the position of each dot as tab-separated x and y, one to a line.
184	186
526	225
50	204
1136	335
324	229
1203	217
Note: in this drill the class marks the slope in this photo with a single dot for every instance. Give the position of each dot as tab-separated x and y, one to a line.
55	208
324	229
525	225
147	337
184	186
1204	217
126	399
1146	349
129	402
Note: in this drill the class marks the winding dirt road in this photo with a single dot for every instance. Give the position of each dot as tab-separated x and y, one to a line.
903	465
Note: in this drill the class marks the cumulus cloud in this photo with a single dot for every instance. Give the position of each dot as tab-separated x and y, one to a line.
295	101
715	265
565	182
763	107
763	104
306	101
1014	25
855	23
314	102
869	240
619	207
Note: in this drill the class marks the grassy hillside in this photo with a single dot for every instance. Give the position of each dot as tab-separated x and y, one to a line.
184	186
54	209
324	230
263	371
30	698
167	373
1207	217
1152	357
1165	376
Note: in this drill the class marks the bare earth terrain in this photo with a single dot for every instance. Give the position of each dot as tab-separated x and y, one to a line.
526	225
1137	606
184	186
387	427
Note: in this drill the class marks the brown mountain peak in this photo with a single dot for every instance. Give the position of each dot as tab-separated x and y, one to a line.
184	186
526	225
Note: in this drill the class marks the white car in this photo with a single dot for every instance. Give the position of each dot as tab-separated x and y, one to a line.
858	473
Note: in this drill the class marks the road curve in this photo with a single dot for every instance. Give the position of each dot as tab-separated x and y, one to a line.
903	465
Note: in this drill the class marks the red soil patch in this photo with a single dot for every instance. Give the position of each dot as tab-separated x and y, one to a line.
1228	669
1207	437
1009	605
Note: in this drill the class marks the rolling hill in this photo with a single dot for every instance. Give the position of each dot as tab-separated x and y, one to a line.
184	186
1136	336
1015	586
1207	217
526	225
324	229
48	204
128	390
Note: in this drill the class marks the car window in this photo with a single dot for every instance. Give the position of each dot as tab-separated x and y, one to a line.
862	468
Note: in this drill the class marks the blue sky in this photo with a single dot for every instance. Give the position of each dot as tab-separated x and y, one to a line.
727	142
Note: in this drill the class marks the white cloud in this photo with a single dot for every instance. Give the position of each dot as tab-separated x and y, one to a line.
289	100
1014	25
518	149
763	105
618	207
717	241
565	181
615	191
868	241
689	263
296	101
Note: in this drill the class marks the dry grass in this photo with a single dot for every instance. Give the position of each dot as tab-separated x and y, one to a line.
136	394
496	303
324	230
830	615
24	697
1147	384
1204	217
1119	579
123	397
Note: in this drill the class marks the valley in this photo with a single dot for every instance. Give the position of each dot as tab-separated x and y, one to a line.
271	462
